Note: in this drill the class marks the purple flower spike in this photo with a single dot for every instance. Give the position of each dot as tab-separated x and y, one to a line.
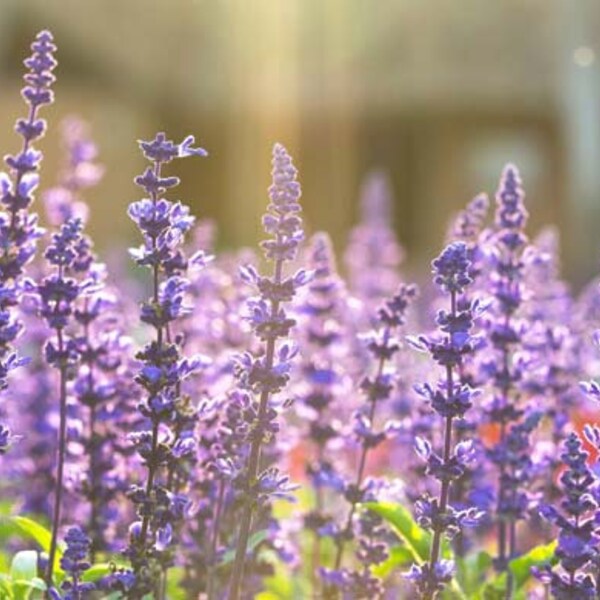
19	230
267	375
55	298
80	172
451	268
450	399
373	254
377	388
161	502
74	563
577	549
506	330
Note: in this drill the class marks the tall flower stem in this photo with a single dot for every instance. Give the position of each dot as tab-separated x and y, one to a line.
267	375
507	332
55	296
450	399
163	225
362	463
19	231
61	455
214	541
254	457
447	452
152	466
383	345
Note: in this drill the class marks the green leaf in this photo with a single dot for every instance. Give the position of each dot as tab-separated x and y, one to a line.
400	556
521	570
255	539
5	587
98	571
35	531
24	589
23	572
280	585
536	557
493	590
174	589
471	571
417	540
43	537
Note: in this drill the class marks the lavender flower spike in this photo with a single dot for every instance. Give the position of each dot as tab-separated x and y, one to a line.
19	230
267	375
377	388
506	330
160	507
75	562
577	549
56	296
450	399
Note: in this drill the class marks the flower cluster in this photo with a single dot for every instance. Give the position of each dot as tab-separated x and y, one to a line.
577	521
504	369
450	398
160	507
266	375
383	346
75	562
373	254
56	296
19	230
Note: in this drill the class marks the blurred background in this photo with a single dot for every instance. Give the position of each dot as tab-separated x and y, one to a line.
440	94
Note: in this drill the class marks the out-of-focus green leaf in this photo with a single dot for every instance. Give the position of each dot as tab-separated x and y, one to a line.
536	557
400	556
174	589
521	570
6	507
279	585
29	590
5	587
417	540
36	532
304	500
99	570
23	573
471	571
255	539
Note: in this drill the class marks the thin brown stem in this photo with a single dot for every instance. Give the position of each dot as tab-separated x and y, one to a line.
152	466
362	461
62	450
253	462
214	543
436	542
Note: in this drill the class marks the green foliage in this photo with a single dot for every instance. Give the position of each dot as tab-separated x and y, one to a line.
416	540
536	557
174	589
521	573
254	541
279	586
400	557
472	571
35	531
22	582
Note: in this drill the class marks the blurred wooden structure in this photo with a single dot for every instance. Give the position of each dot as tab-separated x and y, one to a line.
439	93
